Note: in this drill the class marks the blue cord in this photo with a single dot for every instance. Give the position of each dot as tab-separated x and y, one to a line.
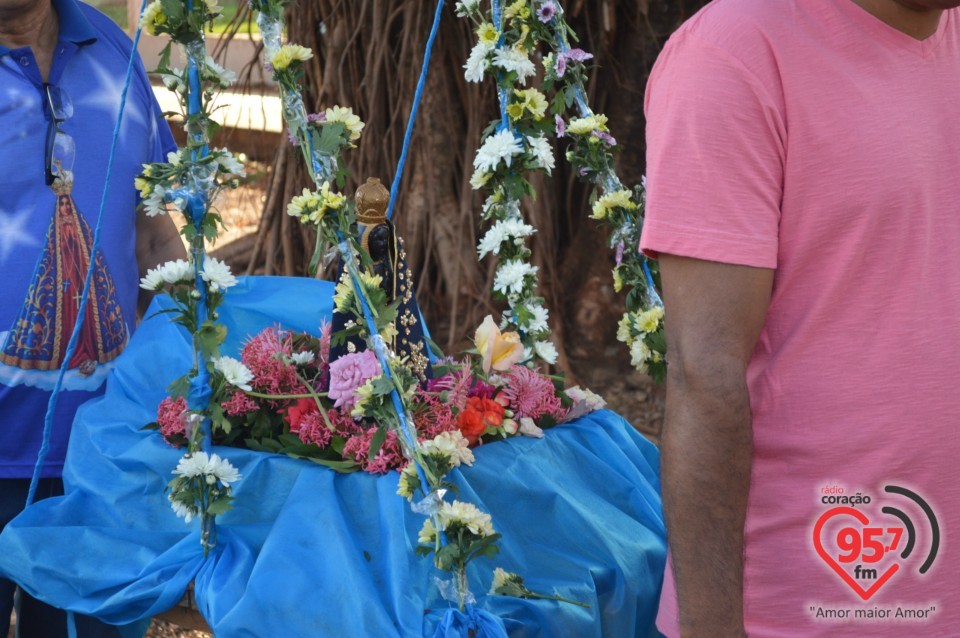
85	297
501	92
417	97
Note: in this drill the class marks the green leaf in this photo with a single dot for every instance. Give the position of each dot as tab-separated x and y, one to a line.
220	506
377	441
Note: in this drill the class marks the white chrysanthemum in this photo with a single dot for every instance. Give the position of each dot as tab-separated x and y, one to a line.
639	354
229	163
302	358
510	277
491	241
467	515
477	63
217	274
222	470
466	7
152	281
500	578
542	151
515	60
498	147
529	428
212	7
173	80
176	272
173	158
155	204
236	374
183	511
503	230
223	77
538	323
452	445
546	351
192	465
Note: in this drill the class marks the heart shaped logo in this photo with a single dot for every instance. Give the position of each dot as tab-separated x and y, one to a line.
856	542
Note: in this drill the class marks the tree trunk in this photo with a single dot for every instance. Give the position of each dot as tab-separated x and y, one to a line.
368	55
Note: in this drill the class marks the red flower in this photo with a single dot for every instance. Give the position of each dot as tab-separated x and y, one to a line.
297	412
479	414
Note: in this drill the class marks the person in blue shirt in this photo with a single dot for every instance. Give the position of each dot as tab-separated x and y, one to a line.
62	71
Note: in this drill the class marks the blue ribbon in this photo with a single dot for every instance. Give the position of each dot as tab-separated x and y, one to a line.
417	97
457	624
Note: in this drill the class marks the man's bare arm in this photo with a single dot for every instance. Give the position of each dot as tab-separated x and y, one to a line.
157	242
714	315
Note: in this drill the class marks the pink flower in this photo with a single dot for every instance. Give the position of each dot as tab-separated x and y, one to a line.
532	395
433	415
348	373
169	417
561	126
388	457
239	404
266	356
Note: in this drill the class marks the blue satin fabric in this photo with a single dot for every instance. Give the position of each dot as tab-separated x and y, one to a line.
308	552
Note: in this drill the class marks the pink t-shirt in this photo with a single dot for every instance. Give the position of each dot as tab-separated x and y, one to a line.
810	137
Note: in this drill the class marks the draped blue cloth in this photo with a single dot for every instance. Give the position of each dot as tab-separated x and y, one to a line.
309	552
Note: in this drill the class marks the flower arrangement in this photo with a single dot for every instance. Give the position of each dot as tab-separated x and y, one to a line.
509	37
190	181
284	395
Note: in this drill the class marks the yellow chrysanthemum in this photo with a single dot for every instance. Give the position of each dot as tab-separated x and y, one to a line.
617	199
428	533
153	16
533	101
623	328
144	186
212	7
479	179
289	54
488	34
587	125
515	111
617	280
343	293
346	115
649	320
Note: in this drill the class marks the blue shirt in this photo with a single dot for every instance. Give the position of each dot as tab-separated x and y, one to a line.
46	236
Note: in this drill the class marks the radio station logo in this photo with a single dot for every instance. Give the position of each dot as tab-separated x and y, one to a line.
867	541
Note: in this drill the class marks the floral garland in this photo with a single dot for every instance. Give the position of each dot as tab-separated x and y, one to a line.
190	180
506	39
381	389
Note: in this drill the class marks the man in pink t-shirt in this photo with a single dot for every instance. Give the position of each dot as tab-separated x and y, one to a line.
804	201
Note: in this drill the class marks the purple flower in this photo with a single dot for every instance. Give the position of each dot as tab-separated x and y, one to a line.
620	248
573	55
316	117
546	11
268	67
561	126
347	374
293	140
578	55
605	137
560	66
